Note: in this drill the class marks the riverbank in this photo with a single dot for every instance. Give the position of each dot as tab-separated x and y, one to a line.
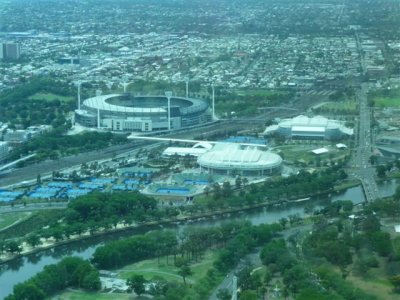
51	243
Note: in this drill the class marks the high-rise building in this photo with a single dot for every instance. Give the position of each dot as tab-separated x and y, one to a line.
10	51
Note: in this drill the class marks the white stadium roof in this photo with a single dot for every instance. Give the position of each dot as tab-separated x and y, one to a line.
100	102
232	156
317	124
308	129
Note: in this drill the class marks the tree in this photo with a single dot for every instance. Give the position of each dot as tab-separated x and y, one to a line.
381	171
238	182
91	281
38	179
224	294
33	240
185	271
13	247
137	283
395	281
283	222
28	292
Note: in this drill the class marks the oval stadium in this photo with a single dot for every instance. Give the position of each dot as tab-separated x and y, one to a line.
125	112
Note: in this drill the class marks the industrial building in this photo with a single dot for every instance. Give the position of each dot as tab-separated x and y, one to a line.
236	159
125	112
303	127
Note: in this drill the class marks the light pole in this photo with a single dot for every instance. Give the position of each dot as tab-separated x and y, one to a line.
187	88
78	84
168	94
213	101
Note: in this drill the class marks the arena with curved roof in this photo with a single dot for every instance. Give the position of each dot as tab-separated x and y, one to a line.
303	127
125	112
236	159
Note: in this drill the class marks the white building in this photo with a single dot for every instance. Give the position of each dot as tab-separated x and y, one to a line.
303	127
231	159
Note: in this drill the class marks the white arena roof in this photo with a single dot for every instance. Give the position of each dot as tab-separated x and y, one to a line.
231	156
308	129
100	102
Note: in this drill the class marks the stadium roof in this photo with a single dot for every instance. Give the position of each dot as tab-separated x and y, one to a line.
100	102
231	156
306	124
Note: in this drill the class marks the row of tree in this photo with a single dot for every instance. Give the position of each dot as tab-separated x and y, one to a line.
54	144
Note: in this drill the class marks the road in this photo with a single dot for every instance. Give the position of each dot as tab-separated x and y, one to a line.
32	207
47	167
363	169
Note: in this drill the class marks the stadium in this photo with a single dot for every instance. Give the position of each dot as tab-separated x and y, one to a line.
236	159
125	112
303	127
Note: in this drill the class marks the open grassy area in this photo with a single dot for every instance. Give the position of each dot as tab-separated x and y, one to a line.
376	283
50	97
342	107
82	295
11	218
151	268
302	152
383	102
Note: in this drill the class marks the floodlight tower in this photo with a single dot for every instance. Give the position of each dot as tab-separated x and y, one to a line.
168	94
78	84
98	118
109	84
125	85
213	101
187	87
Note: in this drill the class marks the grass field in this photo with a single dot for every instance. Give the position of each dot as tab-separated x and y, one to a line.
151	268
376	283
342	107
82	295
50	97
303	152
11	218
383	102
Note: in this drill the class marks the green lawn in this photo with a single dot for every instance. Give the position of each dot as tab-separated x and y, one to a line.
50	97
349	106
11	218
298	152
82	295
302	152
383	102
151	268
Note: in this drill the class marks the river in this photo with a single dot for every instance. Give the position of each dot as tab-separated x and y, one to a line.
24	268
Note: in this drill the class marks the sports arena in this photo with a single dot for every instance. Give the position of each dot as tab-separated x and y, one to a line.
126	112
236	159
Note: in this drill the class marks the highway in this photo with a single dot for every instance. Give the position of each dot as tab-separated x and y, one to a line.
364	171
